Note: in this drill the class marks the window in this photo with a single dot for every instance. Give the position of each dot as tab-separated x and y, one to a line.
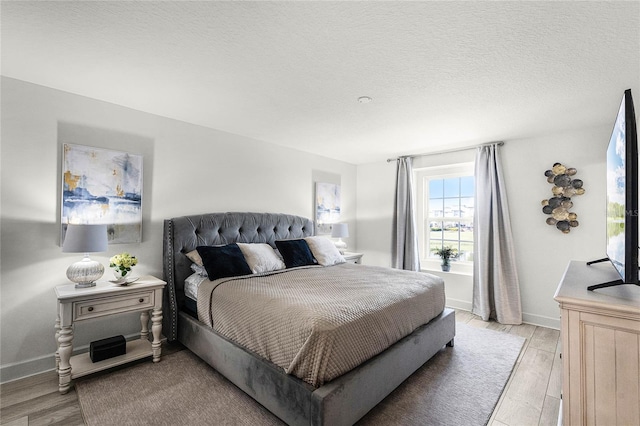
445	206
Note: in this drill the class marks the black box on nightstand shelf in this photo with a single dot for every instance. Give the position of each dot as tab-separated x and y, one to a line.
107	348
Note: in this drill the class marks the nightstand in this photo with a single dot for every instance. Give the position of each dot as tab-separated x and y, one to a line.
352	257
80	304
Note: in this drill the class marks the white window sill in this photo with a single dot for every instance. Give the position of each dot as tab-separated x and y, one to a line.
457	268
439	271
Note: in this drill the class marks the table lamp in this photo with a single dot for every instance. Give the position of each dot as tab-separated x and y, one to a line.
340	231
85	239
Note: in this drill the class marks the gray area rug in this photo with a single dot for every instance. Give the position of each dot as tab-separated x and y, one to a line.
458	386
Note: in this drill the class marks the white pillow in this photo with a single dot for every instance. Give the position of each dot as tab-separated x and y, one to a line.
325	251
194	256
199	269
191	285
261	257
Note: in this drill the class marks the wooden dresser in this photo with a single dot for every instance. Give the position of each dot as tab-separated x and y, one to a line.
600	347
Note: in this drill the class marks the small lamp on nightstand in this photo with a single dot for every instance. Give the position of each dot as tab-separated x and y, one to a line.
340	231
85	239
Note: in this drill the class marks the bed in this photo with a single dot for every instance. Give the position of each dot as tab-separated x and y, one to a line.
340	400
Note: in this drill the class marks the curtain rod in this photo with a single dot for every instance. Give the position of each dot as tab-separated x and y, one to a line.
445	151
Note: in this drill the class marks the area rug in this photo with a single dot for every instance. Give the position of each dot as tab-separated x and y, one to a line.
458	386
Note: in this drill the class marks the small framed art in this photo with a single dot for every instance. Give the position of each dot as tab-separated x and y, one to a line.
327	206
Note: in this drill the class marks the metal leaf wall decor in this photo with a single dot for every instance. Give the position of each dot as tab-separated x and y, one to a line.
564	188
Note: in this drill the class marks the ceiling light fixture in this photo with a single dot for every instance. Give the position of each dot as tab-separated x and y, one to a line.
364	99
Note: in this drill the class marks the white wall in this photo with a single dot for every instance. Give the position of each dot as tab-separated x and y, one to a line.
191	169
187	170
542	251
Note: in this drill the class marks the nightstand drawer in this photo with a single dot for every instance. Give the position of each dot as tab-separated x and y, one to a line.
110	305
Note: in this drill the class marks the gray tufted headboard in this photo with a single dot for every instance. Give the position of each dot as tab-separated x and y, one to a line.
185	233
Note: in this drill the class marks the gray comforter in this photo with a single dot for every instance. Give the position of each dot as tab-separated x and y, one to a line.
320	322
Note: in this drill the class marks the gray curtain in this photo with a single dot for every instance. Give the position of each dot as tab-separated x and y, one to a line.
496	290
405	237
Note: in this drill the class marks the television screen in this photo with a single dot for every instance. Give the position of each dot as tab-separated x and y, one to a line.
616	195
622	194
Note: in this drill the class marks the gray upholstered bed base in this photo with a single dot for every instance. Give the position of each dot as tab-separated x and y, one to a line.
340	402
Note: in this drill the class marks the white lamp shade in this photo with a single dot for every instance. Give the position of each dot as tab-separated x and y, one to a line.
85	239
339	230
82	238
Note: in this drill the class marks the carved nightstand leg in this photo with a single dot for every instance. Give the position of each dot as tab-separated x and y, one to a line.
65	339
144	320
156	329
57	327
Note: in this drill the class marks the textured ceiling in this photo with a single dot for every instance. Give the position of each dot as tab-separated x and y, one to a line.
441	74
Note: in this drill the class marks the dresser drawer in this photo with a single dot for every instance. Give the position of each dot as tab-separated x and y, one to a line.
114	304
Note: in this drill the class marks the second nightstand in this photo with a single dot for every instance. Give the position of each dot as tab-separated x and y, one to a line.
352	257
79	304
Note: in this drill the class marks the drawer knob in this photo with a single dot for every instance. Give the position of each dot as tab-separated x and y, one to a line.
140	300
90	308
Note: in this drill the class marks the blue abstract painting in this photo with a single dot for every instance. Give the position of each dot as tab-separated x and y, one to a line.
327	206
101	186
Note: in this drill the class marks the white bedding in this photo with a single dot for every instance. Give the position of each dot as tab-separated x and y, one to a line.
191	285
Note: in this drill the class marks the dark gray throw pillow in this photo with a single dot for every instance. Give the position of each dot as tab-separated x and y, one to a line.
295	253
223	261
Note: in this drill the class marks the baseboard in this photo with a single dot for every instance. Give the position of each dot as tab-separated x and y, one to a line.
30	367
541	320
458	304
532	319
39	365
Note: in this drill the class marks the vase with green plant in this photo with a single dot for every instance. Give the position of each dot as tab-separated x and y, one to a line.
446	253
122	264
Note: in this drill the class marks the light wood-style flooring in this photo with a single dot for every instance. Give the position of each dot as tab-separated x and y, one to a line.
532	394
531	397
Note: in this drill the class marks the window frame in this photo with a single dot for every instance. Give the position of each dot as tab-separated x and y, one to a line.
421	178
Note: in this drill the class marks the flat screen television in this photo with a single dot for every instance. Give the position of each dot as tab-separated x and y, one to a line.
622	197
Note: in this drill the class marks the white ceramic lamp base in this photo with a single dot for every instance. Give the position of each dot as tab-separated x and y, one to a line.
85	272
340	245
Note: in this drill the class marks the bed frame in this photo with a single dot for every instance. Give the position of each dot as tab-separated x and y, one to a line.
340	402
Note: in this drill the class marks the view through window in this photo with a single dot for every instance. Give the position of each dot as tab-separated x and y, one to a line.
445	200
